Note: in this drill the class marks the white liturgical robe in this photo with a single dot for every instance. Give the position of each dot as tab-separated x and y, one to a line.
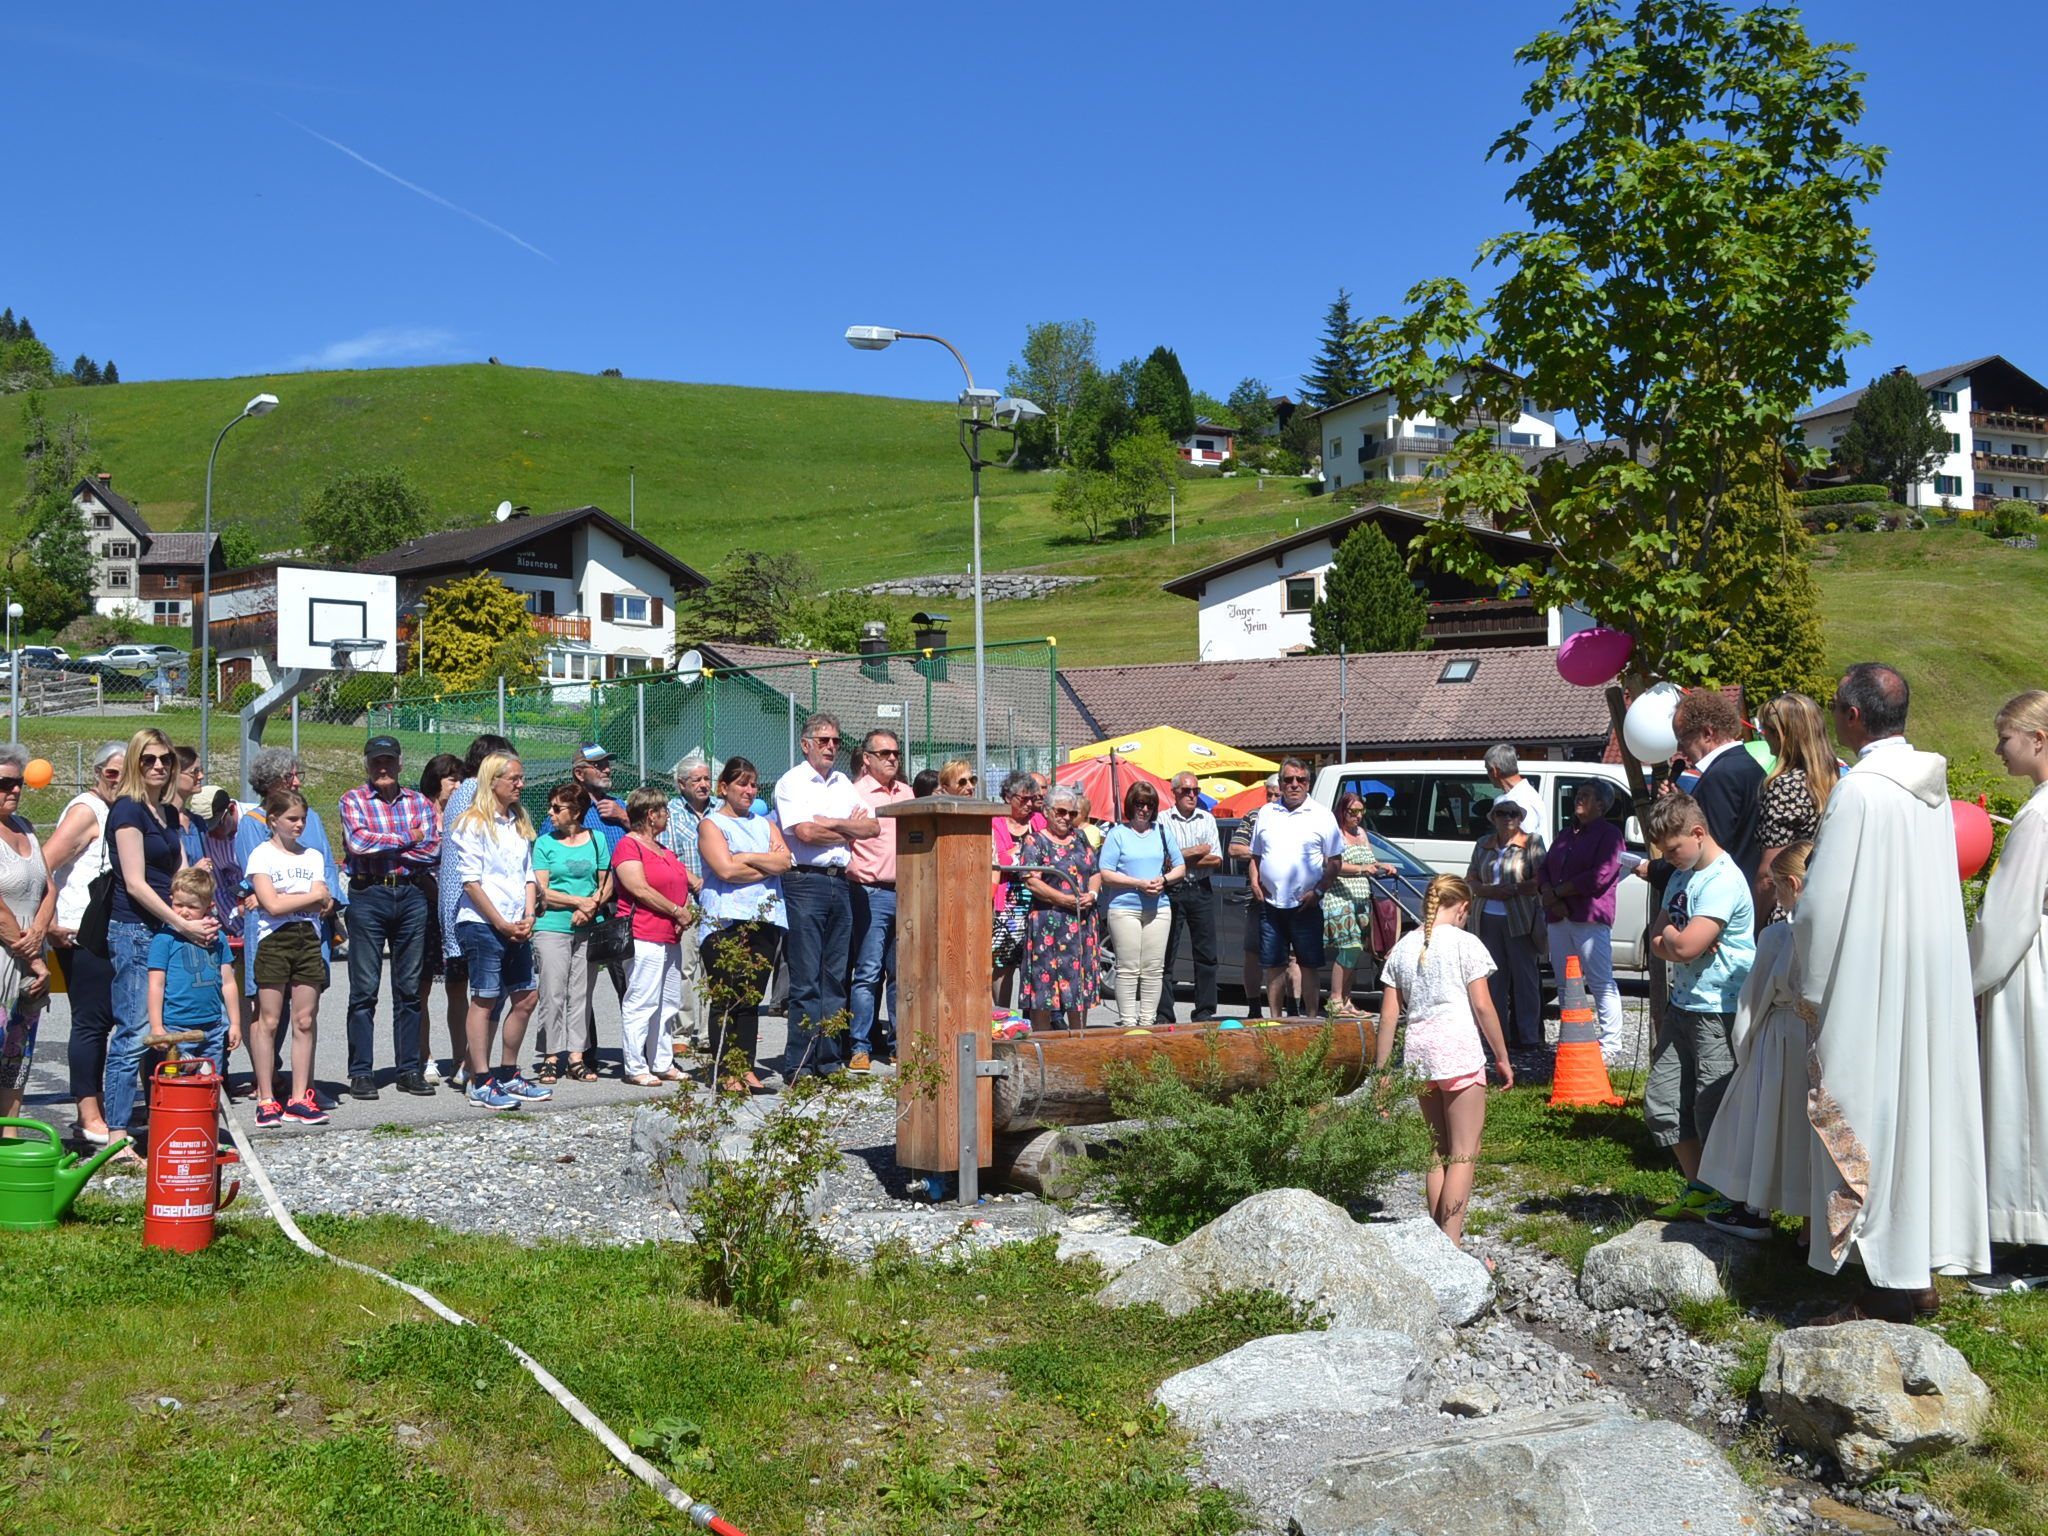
2009	968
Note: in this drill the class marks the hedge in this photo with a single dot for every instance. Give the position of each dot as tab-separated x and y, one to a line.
1841	495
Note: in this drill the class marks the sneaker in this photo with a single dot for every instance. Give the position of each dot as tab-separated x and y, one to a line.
269	1113
1689	1206
432	1071
1739	1221
1999	1284
303	1111
459	1079
486	1095
861	1062
520	1086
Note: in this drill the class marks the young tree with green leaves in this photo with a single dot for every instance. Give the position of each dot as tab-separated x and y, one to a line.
1251	405
478	630
750	599
364	512
1683	287
54	551
1209	408
1142	471
1082	502
835	622
1100	417
1895	435
1339	371
1059	355
238	547
1369	601
1161	393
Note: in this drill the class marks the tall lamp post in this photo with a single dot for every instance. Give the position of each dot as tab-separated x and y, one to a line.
13	672
262	405
1003	414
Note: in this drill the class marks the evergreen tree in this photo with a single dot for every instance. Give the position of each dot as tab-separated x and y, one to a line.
478	630
1162	393
1895	437
1769	604
1369	603
1338	372
750	599
84	370
23	331
7	325
1101	417
108	374
1252	404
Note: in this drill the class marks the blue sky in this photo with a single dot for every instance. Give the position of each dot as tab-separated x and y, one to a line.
714	194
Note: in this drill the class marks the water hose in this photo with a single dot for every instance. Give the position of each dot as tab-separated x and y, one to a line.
699	1513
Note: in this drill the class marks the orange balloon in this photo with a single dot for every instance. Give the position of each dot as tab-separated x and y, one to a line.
38	773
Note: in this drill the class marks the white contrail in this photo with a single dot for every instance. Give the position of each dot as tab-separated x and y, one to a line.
413	186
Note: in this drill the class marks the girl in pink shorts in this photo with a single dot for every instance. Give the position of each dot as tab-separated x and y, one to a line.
1436	975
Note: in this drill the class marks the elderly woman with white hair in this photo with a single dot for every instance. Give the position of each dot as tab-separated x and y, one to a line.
26	905
1576	887
1060	969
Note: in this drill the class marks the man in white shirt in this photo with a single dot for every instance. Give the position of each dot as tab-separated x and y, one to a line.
1295	853
1194	900
1505	770
821	816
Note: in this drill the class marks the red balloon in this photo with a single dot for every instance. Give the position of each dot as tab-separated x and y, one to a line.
1973	836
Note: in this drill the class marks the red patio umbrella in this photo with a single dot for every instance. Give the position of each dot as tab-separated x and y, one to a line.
1242	803
1105	781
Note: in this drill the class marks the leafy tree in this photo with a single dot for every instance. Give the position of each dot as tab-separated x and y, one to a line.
1339	371
1895	435
1251	404
84	370
1101	415
834	622
238	547
1161	392
1142	470
364	512
478	630
110	374
54	547
1059	356
25	363
1369	601
1766	608
1683	287
1083	502
749	599
1209	408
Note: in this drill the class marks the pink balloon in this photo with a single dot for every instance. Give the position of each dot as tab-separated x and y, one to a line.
1973	836
1594	657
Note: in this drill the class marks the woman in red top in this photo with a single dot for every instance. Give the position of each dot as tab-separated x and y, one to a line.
654	894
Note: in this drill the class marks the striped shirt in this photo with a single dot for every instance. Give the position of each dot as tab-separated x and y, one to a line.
680	838
384	837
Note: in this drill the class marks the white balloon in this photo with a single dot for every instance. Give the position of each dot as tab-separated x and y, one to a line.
1646	728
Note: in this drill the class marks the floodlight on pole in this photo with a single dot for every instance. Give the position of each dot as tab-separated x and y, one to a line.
987	410
261	405
14	611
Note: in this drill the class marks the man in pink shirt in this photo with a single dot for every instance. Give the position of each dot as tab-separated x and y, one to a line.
871	875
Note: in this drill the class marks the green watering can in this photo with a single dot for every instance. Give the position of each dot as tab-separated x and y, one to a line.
39	1179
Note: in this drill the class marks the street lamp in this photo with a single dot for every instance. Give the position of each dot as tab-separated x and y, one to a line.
13	672
417	612
262	405
1004	414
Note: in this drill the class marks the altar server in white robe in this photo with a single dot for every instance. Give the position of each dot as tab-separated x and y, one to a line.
1884	962
2009	969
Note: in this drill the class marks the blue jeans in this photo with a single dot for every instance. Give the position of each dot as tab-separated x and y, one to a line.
128	950
820	911
874	956
498	968
380	915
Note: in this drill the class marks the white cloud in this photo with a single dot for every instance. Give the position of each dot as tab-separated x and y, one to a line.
388	344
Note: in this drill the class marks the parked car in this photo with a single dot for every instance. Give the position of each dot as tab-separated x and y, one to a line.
1436	809
52	657
139	658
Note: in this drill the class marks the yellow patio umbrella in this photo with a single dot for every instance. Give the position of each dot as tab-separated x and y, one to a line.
1166	750
1220	788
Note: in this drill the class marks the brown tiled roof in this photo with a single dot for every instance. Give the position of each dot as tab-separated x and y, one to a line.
177	549
114	502
467	548
1514	695
1508	546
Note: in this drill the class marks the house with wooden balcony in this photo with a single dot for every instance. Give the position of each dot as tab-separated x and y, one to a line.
1369	437
1996	417
602	595
1257	604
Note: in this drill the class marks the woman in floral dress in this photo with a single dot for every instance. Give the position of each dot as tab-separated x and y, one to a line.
1060	966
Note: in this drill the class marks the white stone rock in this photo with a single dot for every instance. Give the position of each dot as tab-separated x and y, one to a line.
1114	1251
1461	1283
1656	1265
1868	1393
1345	1372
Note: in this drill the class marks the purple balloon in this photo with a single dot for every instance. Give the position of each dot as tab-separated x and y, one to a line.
1594	657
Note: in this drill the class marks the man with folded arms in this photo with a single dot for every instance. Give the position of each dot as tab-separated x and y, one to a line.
392	836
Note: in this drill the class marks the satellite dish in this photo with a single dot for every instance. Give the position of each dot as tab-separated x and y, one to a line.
504	510
690	666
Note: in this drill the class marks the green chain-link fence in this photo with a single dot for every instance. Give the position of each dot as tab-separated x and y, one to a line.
647	723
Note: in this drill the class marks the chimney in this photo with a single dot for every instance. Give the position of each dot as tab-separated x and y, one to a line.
106	477
931	636
873	646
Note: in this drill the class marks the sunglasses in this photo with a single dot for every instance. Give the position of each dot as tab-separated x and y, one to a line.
110	773
158	759
826	741
10	786
884	752
1285	782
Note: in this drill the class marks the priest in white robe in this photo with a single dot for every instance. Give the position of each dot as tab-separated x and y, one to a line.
1893	1088
2009	971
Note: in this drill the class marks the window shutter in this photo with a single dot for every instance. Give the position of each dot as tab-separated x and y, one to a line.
604	607
654	607
547	602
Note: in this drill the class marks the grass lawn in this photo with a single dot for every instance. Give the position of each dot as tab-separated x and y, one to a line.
994	1396
1577	1177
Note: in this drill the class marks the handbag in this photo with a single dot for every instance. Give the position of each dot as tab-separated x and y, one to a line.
610	939
99	909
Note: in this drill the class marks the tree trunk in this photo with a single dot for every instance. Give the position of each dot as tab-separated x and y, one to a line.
1052	1164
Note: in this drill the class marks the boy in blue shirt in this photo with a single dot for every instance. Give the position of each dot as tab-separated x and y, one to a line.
192	986
1705	932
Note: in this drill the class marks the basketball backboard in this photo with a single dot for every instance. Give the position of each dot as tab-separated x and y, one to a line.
336	621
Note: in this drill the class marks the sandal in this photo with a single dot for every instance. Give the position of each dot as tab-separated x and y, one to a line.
580	1071
644	1080
734	1085
670	1076
549	1073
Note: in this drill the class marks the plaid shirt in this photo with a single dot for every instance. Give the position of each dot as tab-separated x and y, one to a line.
386	836
681	837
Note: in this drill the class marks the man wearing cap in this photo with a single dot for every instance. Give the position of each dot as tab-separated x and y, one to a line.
393	839
216	818
822	816
606	817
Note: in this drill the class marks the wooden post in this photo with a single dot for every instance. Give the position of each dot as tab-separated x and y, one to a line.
944	923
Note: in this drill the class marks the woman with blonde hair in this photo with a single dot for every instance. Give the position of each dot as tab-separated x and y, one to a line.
1796	790
493	847
957	778
1437	975
2009	972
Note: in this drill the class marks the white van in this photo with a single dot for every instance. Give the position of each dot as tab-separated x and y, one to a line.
1436	809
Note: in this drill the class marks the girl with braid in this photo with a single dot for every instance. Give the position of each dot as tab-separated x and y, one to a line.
1437	975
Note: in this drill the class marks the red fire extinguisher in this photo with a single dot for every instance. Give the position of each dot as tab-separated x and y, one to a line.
185	1156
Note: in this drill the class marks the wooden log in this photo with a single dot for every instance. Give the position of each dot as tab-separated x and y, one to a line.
1060	1077
1049	1163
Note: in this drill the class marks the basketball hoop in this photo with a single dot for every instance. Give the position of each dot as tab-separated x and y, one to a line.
346	653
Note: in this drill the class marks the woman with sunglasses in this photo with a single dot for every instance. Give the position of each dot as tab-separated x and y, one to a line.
25	908
1060	964
1011	896
77	854
1348	909
957	778
148	848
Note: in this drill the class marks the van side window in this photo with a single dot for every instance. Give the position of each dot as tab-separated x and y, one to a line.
1618	813
1456	806
1393	802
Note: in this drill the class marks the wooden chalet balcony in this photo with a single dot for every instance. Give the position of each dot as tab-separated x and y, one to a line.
1486	621
2009	421
2012	463
549	626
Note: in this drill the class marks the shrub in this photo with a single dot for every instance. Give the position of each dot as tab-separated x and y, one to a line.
352	697
1834	527
242	696
2012	520
1205	1146
1840	495
1867	522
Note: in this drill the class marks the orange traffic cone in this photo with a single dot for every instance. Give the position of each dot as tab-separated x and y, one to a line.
1579	1075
